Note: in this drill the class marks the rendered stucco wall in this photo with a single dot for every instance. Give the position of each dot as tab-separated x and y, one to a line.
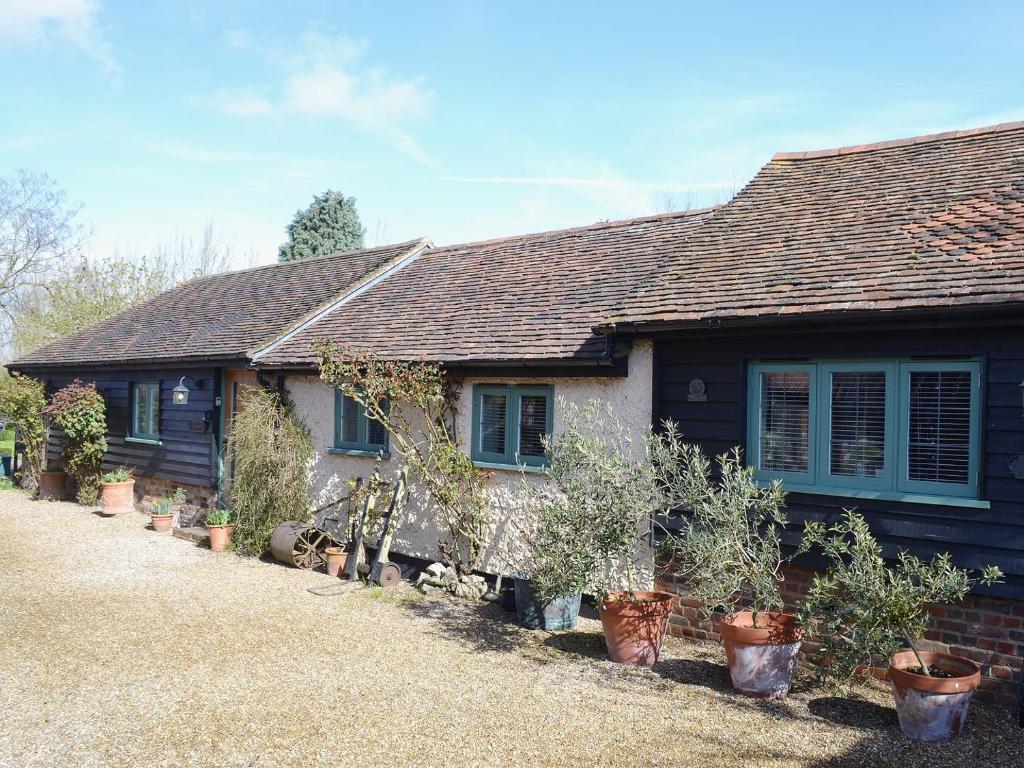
629	397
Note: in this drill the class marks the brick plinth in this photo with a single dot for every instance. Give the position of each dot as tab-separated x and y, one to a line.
986	630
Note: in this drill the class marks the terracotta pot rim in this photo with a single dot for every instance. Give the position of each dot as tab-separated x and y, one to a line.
334	551
118	484
649	603
899	677
160	517
781	628
229	525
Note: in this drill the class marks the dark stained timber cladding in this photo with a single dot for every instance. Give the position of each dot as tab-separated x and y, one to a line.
184	455
974	537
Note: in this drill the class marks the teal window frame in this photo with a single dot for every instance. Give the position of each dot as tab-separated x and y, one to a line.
362	446
509	457
152	403
894	482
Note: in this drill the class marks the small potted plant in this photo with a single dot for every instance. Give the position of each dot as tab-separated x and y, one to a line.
728	551
862	609
117	491
162	514
219	524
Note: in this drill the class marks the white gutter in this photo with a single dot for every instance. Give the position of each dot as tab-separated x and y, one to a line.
354	293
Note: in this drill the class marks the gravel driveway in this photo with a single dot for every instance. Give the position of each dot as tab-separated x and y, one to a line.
123	647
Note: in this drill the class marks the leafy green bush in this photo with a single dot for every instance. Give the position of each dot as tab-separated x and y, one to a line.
219	517
79	411
119	475
728	549
862	609
22	400
273	457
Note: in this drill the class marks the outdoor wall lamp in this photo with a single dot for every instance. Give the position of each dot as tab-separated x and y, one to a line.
179	395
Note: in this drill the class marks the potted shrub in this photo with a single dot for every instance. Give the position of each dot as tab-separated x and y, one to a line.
162	514
117	491
728	551
219	524
51	484
863	609
79	411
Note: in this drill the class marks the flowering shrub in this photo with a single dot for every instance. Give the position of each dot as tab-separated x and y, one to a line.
78	410
22	400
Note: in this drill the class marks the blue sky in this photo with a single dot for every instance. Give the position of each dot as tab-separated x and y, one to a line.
466	120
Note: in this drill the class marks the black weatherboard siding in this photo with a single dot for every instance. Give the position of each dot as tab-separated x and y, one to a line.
974	537
187	452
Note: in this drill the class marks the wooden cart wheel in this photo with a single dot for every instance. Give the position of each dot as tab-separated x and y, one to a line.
309	548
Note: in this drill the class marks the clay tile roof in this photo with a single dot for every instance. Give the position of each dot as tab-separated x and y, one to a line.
533	297
928	222
223	316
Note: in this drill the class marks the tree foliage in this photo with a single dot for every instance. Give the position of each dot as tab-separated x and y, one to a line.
417	403
330	224
79	411
862	608
273	456
22	400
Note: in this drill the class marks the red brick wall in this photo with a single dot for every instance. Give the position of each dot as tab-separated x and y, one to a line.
198	499
987	630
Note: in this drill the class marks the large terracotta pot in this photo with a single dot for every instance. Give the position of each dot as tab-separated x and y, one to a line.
161	523
932	708
554	615
51	484
220	535
336	557
762	658
118	497
634	626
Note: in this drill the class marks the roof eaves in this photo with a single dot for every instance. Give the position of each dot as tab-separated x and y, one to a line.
365	283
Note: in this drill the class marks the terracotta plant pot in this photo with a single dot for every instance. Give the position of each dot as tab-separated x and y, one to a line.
161	523
220	535
932	708
51	484
635	628
554	615
117	497
336	557
761	659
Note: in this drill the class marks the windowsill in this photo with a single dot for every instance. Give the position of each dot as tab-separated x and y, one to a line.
144	440
358	452
509	467
906	498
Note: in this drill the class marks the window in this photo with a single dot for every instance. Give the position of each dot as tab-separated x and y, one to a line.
885	427
145	424
508	424
353	431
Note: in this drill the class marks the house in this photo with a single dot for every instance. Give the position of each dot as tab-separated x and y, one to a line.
854	319
200	336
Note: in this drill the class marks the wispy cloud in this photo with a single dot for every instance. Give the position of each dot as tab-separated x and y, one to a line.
323	79
72	21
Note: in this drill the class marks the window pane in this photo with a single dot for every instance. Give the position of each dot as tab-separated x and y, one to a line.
139	416
154	409
376	433
785	399
857	434
492	423
939	440
533	423
349	420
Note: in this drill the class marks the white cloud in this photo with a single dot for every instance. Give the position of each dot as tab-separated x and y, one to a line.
241	103
74	21
323	79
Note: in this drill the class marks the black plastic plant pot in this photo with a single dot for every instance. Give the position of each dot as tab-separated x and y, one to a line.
560	613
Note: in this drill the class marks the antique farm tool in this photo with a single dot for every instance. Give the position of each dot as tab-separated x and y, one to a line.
299	544
352	563
380	570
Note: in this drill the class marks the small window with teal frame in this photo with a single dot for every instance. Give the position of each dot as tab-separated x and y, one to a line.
889	428
145	423
509	423
354	431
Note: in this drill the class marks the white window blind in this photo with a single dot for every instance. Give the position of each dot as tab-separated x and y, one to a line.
939	426
533	420
857	423
785	404
492	422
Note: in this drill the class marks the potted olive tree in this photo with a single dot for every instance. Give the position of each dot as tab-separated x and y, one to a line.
117	491
728	550
863	609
